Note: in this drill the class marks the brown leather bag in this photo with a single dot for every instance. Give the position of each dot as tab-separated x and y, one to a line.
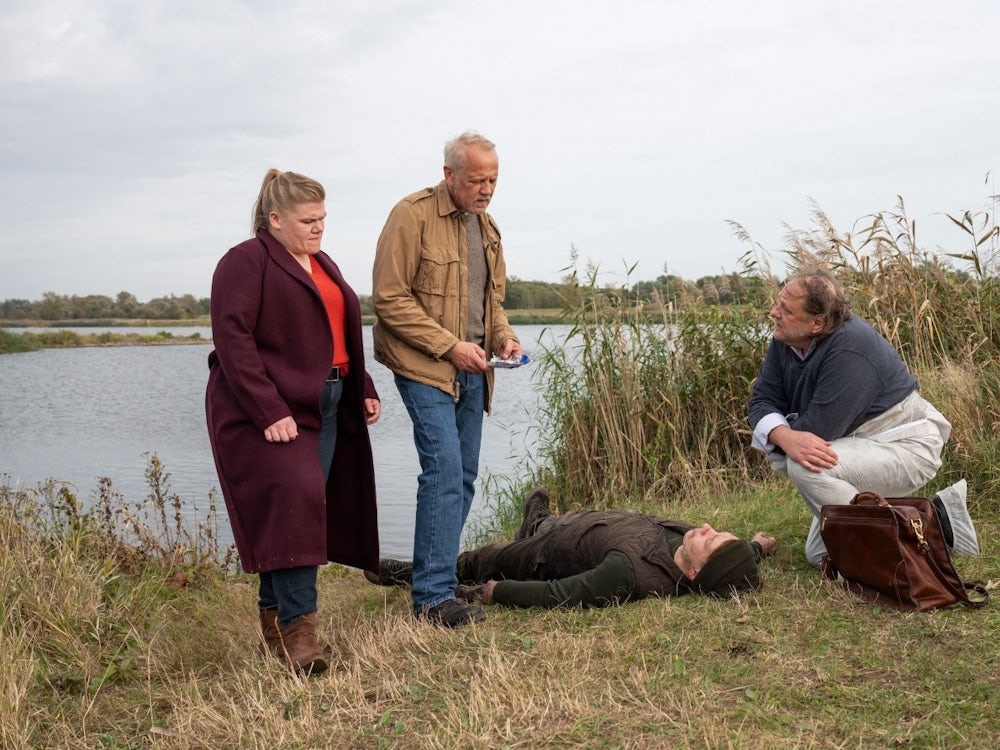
892	552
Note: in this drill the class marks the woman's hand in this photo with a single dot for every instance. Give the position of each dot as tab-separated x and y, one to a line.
283	431
373	410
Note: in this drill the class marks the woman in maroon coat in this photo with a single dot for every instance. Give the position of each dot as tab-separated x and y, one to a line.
288	405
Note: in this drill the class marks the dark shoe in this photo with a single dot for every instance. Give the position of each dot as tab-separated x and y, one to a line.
301	649
453	614
391	573
536	507
470	594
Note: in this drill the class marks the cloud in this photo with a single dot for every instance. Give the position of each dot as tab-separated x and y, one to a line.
134	135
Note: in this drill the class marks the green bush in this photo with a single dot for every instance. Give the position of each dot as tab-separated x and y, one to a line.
16	342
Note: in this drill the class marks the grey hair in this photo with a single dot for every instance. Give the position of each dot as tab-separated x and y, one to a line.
454	150
823	295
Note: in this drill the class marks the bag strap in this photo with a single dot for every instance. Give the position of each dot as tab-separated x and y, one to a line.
982	596
936	550
827	569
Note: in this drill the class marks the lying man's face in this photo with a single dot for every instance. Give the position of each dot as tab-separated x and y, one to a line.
699	545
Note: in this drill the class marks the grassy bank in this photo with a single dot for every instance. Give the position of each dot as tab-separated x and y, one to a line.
30	341
122	630
519	317
195	322
154	647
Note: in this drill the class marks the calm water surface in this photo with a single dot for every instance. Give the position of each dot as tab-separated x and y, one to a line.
80	414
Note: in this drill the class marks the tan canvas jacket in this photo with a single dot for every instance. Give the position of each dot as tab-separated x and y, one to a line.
419	289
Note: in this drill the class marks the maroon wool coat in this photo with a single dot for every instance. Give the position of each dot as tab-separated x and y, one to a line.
273	350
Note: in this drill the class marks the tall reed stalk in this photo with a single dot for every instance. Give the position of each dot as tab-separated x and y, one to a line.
640	401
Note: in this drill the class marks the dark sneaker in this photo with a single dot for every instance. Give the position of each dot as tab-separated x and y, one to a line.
470	594
453	614
391	573
536	507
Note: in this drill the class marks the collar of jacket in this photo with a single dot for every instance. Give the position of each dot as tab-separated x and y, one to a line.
283	258
445	205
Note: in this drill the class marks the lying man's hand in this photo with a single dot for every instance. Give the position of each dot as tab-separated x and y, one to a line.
766	541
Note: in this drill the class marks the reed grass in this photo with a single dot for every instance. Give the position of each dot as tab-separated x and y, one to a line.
640	401
632	407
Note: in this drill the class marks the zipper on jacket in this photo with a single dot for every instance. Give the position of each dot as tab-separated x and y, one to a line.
460	307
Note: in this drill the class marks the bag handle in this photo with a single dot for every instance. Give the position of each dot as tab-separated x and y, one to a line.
870	498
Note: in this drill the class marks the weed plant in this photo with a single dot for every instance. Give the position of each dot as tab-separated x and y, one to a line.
84	589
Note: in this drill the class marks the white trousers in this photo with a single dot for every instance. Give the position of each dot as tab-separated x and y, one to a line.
894	454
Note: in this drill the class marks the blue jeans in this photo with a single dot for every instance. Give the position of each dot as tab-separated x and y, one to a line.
447	434
293	590
329	402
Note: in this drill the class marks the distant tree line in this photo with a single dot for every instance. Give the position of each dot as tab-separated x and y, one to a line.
667	290
54	306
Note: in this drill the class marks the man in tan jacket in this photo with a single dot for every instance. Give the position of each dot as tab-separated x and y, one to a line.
438	285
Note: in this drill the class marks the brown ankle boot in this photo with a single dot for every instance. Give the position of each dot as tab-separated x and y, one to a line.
271	632
302	650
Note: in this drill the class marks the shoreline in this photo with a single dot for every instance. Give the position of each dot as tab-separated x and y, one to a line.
55	334
537	316
30	341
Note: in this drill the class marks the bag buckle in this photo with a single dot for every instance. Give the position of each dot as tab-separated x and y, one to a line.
918	528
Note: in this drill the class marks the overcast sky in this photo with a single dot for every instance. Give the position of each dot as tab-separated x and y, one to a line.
134	133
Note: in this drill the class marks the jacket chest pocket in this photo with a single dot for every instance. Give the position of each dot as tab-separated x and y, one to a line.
438	270
567	540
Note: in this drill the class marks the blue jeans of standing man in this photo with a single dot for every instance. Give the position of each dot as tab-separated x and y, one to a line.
447	434
293	590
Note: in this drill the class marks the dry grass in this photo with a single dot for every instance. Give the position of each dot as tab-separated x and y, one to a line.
94	657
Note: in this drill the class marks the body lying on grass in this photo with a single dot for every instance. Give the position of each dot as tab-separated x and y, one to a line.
597	558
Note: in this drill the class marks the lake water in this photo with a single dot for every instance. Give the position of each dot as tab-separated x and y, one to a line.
79	414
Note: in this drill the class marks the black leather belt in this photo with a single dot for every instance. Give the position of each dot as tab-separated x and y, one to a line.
334	375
